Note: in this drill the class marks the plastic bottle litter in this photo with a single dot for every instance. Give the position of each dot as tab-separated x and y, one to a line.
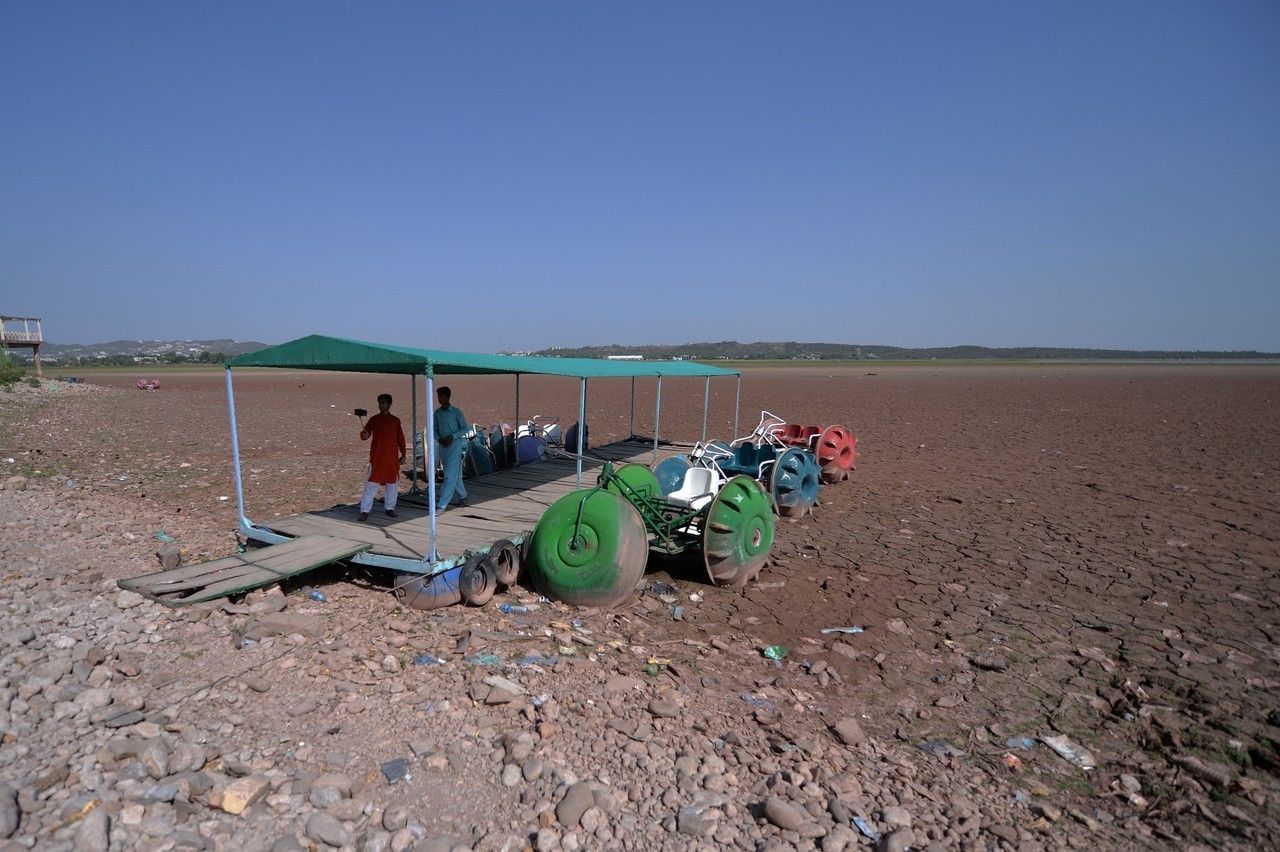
514	609
866	829
1074	752
1023	743
854	629
313	594
677	613
427	660
776	652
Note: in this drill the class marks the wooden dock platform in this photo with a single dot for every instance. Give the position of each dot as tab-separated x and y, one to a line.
505	504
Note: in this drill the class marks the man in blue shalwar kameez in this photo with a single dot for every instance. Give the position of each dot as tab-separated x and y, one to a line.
450	427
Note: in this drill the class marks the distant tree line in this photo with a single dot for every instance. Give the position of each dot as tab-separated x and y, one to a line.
733	351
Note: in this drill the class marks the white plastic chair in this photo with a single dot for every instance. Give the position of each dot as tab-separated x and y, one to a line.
697	490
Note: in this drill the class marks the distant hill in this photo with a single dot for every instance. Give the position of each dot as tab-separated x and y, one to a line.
734	351
145	351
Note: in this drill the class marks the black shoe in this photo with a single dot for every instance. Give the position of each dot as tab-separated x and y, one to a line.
364	516
391	513
462	502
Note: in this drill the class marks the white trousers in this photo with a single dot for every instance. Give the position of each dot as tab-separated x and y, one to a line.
451	459
371	491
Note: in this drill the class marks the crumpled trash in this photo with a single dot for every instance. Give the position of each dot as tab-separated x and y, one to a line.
940	748
665	592
427	660
755	701
1074	752
1023	743
776	652
161	535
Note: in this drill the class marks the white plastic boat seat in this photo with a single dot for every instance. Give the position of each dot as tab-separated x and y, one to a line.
697	490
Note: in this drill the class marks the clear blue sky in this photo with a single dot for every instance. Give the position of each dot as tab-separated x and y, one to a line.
494	175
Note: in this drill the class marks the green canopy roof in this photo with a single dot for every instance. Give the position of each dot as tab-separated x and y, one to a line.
318	352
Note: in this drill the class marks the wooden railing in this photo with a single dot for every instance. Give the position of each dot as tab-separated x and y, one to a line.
29	333
19	336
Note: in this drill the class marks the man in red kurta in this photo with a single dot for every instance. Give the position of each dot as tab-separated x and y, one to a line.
386	454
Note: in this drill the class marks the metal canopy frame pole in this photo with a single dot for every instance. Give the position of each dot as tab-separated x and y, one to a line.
431	470
737	403
657	417
515	448
235	452
582	419
632	432
706	403
413	390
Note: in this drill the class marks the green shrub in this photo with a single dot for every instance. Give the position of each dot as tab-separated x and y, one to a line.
10	372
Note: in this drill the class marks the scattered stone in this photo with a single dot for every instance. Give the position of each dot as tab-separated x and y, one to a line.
989	662
783	815
170	557
896	841
849	732
10	813
244	792
575	802
327	828
395	818
396	770
94	832
286	623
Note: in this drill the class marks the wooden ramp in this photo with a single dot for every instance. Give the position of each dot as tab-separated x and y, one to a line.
208	580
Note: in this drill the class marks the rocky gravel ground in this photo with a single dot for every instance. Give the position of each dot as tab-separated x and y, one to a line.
1042	663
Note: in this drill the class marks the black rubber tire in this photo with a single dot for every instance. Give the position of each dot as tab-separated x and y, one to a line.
476	582
504	560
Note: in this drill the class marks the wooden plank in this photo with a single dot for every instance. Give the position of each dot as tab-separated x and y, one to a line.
249	570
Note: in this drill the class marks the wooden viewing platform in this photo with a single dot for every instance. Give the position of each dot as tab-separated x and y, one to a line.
26	338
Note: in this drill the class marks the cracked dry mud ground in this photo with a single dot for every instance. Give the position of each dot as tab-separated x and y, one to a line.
1100	539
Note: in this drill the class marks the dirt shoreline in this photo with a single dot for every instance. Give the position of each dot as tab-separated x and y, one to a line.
1106	532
